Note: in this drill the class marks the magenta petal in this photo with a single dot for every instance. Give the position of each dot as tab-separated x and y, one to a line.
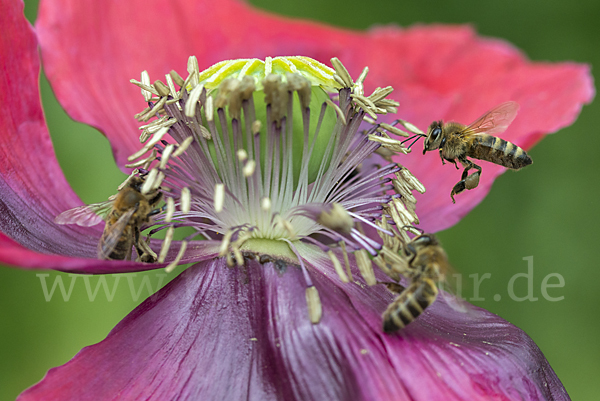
221	333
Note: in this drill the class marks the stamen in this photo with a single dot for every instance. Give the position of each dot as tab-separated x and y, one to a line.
142	162
365	267
302	179
176	77
346	259
394	130
161	88
164	158
171	266
185	200
192	102
411	127
315	309
339	111
338	267
219	198
249	168
183	146
342	72
336	219
127	180
242	155
208	109
265	204
170	210
149	182
155	139
164	249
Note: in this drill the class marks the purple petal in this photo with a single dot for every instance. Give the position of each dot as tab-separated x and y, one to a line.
243	333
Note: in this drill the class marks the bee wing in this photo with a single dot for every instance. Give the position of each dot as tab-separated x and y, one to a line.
86	215
494	121
109	241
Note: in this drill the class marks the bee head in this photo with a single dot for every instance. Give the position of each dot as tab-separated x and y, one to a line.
423	241
434	137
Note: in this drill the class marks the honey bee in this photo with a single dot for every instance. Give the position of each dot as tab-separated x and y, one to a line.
457	142
427	264
124	215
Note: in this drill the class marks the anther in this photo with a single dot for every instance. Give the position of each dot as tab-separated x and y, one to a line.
126	182
219	198
142	162
170	210
337	219
157	137
249	168
394	130
161	88
186	200
192	101
208	108
165	156
411	127
164	249
313	302
171	266
365	267
265	204
183	146
346	259
342	72
242	155
338	267
149	181
176	77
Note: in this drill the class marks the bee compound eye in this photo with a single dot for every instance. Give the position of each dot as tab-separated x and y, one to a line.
436	132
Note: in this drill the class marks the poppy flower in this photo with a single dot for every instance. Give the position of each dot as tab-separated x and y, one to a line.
219	332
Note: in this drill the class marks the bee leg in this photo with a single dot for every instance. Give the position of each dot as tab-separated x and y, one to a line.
145	254
156	211
442	157
467	181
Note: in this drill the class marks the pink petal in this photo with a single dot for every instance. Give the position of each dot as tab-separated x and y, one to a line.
92	49
227	333
33	189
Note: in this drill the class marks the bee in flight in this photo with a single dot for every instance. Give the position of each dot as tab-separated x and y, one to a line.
124	215
457	142
427	264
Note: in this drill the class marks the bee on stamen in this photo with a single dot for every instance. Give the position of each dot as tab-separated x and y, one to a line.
124	215
426	264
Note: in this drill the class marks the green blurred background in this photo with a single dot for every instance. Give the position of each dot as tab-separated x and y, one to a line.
557	222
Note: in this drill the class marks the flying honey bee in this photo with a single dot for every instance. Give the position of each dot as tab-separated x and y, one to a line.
427	264
457	142
124	215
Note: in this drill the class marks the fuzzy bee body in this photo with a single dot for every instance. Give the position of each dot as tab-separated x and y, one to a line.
409	305
499	151
456	141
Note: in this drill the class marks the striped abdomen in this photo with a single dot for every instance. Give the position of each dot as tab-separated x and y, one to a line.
409	305
497	150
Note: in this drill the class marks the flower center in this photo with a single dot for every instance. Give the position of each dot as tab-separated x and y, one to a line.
268	156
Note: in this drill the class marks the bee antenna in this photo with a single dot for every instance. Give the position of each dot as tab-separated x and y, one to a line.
417	136
412	136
